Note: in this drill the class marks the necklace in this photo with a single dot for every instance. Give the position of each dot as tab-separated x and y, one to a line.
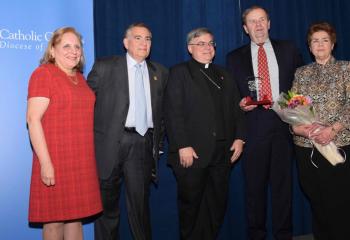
211	80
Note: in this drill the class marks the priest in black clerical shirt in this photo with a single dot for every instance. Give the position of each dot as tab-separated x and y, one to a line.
205	129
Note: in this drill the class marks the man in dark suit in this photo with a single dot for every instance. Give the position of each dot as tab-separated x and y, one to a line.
205	131
268	151
128	89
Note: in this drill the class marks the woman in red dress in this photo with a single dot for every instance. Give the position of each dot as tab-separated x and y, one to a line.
64	184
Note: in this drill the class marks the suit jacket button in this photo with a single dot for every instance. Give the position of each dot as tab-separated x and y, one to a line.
214	134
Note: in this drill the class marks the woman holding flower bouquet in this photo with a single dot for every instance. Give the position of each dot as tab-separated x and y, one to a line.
327	83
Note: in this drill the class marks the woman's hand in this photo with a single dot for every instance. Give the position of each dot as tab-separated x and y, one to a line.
319	133
47	174
36	109
323	135
304	130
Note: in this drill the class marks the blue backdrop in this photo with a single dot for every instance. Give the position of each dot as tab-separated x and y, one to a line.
170	21
25	28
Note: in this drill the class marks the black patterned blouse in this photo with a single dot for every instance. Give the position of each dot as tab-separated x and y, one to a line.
329	87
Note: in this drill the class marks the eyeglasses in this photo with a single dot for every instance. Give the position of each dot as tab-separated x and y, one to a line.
204	44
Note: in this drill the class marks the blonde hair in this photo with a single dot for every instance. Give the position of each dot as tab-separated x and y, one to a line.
56	39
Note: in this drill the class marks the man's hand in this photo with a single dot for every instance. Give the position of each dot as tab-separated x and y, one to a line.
237	148
186	156
243	105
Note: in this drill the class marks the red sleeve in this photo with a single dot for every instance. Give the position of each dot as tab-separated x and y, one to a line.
40	83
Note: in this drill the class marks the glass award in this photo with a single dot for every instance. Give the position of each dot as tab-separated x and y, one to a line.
253	87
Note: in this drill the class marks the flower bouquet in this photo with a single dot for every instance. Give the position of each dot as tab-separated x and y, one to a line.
296	109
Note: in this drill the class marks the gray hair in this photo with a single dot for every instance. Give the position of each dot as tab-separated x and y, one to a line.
197	32
139	24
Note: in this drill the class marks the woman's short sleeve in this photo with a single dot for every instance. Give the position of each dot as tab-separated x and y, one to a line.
40	83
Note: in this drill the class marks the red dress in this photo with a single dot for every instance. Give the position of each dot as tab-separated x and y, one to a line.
68	128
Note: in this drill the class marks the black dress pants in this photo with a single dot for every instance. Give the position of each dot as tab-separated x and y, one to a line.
202	196
267	162
133	165
328	189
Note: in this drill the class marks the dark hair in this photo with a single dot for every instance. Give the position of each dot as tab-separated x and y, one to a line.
197	32
248	10
56	39
138	24
322	26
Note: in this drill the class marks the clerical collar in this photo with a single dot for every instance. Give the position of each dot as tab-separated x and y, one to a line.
203	65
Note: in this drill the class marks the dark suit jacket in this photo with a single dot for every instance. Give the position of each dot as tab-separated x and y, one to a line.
109	80
190	113
239	63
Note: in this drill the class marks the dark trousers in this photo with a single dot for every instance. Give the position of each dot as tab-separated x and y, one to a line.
202	196
267	162
328	189
134	165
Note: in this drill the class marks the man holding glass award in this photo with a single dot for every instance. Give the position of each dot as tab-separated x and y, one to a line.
262	69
